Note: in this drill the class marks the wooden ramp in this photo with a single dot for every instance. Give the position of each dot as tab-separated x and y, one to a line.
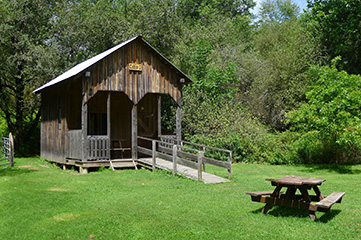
181	170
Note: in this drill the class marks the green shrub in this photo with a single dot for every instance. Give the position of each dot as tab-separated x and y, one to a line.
329	121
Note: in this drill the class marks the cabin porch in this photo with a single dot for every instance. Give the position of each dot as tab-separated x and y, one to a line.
110	127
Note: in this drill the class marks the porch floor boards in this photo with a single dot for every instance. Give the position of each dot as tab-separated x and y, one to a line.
117	163
181	169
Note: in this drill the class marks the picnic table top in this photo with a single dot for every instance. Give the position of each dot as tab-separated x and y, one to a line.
293	180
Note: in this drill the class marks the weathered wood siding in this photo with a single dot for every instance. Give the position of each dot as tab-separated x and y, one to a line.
112	74
74	147
59	143
53	138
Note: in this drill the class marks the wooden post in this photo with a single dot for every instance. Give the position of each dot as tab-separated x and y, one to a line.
159	115
200	160
11	150
178	123
108	126
153	153
230	165
174	160
203	164
84	127
134	133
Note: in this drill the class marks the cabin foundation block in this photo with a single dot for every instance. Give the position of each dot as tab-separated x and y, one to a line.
83	170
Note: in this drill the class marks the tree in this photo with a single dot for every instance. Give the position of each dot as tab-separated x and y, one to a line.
338	27
332	113
84	28
278	10
28	60
202	9
282	55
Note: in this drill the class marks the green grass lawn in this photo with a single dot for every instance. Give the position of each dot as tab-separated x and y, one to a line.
40	201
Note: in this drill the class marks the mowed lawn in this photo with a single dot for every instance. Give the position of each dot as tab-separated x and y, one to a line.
38	200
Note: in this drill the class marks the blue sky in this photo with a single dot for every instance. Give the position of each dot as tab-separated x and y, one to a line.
301	3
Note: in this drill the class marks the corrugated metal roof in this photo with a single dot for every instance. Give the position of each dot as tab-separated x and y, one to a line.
86	64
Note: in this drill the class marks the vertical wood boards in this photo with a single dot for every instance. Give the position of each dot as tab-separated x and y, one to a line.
112	74
178	123
52	133
108	121
84	126
134	132
159	114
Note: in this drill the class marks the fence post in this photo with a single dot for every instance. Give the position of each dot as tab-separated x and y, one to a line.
174	159
200	161
153	153
11	149
204	153
230	165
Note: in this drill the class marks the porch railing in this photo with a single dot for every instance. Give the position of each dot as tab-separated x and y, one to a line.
98	148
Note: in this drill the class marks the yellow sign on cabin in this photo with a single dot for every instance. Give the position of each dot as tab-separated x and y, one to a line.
135	67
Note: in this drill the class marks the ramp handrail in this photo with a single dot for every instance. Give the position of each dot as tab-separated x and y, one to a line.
194	144
181	154
204	148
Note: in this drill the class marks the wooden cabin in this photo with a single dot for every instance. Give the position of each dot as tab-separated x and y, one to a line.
93	113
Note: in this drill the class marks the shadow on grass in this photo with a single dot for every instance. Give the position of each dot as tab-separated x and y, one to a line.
15	171
292	212
342	169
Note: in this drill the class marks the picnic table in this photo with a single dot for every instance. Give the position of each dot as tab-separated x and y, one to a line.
304	200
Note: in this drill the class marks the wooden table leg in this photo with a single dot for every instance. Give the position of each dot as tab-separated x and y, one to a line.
291	192
305	195
313	215
307	198
318	192
267	207
276	193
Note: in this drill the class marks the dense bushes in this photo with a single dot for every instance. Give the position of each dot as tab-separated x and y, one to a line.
330	121
326	128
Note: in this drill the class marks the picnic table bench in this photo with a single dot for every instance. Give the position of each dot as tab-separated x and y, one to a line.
299	201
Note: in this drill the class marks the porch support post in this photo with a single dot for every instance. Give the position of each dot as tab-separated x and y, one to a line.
135	132
159	115
84	127
108	125
178	124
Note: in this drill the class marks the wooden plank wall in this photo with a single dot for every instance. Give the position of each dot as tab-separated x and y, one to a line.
53	138
112	74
